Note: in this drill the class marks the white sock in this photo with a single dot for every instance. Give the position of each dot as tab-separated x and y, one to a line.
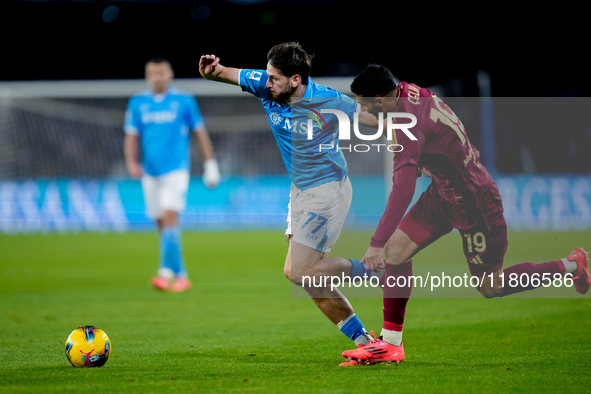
379	272
570	267
363	339
165	273
342	322
392	337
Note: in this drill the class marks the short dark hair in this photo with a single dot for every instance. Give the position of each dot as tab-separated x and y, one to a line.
291	59
158	60
374	80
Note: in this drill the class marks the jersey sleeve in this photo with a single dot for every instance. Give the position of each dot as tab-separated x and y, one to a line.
404	182
132	124
403	188
195	120
254	81
349	106
411	150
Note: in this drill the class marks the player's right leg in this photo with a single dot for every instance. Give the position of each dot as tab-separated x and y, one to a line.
576	265
165	197
150	187
171	245
484	248
304	262
315	220
173	197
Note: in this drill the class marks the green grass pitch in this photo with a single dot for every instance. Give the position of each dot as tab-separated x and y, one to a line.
240	329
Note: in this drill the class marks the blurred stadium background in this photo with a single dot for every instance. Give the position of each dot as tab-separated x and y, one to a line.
64	89
516	74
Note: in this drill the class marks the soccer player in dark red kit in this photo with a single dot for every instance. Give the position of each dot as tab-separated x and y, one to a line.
462	195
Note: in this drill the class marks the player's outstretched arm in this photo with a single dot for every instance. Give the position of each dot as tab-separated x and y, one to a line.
210	68
131	149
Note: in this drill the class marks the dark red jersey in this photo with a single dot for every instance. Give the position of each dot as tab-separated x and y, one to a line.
443	151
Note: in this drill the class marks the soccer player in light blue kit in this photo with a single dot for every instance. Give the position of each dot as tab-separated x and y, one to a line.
158	123
321	191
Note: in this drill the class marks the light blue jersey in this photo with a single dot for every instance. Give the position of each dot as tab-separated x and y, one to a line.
307	164
164	123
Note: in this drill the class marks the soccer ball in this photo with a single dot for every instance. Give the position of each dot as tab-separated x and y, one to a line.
88	346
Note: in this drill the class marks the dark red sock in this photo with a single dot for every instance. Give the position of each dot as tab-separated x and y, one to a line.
515	284
396	297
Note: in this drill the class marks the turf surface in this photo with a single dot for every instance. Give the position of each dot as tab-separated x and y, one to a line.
240	329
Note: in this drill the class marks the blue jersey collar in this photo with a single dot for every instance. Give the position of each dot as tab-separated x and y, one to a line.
162	96
309	93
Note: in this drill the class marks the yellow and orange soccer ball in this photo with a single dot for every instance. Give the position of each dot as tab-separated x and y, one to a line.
88	346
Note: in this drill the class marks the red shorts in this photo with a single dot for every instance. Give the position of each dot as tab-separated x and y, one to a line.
481	225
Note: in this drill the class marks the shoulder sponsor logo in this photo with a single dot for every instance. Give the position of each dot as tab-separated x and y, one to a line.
255	75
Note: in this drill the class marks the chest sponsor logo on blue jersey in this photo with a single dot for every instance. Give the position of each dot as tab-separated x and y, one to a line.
295	126
159	117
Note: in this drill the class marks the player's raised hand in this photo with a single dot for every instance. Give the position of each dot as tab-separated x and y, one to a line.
208	65
211	173
210	68
373	258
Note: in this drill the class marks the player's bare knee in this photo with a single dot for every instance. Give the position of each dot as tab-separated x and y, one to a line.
287	272
295	279
399	249
295	272
298	276
393	255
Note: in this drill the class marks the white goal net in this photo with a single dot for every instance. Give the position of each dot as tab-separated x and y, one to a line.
62	164
74	129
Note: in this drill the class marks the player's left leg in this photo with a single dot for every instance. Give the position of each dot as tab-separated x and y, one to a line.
510	280
485	247
304	263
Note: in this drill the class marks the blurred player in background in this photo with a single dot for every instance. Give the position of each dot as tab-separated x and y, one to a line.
462	195
158	124
321	191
